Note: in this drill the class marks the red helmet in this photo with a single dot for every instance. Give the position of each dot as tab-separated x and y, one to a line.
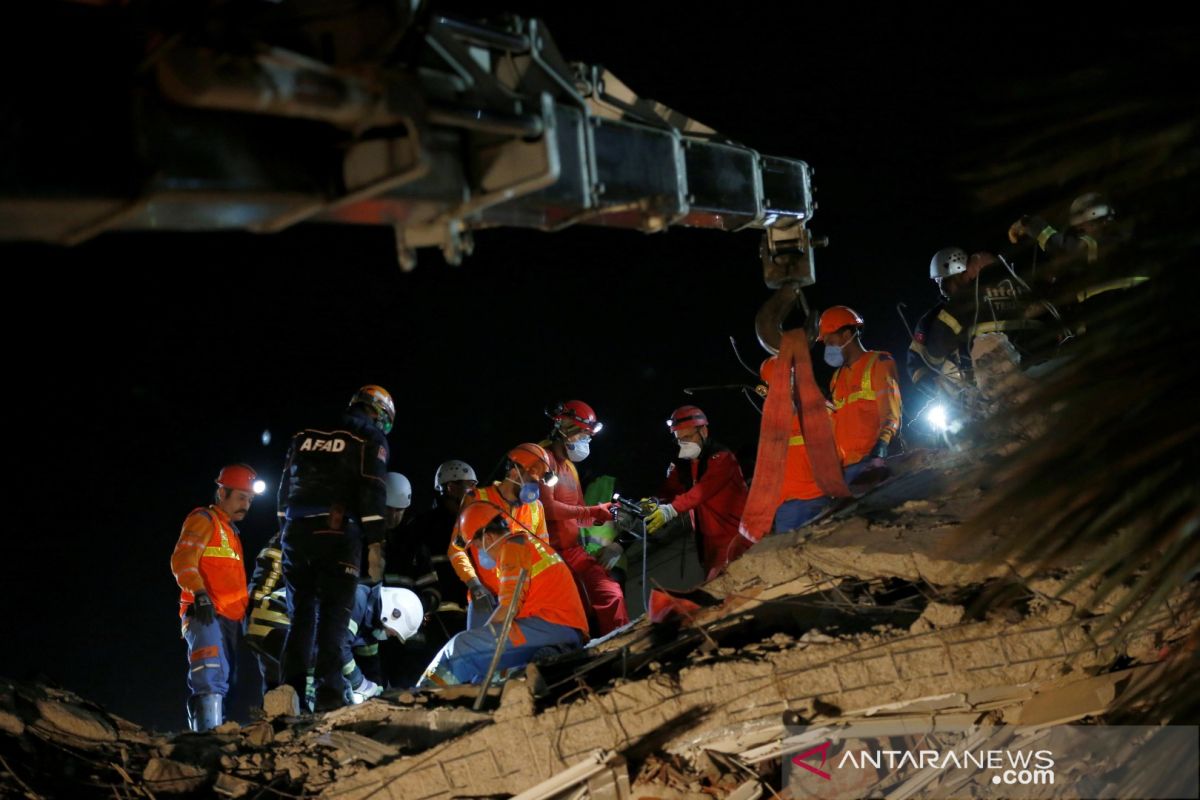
534	459
237	476
685	418
838	317
577	413
378	399
480	515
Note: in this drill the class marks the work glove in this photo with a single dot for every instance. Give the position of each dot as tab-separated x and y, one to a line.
601	514
365	691
202	608
481	598
648	504
610	554
660	517
880	451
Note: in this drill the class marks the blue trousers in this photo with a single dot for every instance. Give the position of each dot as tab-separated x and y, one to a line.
466	657
212	655
796	513
320	569
474	619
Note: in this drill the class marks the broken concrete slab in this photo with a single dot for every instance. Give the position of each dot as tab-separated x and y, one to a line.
350	747
62	717
163	775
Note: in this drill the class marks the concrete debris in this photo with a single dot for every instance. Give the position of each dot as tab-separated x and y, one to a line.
938	615
75	720
228	785
350	747
282	701
164	776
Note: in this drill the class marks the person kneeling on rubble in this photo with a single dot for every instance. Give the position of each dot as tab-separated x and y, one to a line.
549	615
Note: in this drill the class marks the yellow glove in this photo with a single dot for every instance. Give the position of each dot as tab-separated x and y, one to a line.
661	516
648	504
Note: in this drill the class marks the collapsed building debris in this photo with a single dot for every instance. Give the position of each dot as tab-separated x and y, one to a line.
875	614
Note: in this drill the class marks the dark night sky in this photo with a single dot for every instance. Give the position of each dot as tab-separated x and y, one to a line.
141	363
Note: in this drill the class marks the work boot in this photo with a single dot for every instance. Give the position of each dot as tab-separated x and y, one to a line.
191	714
207	712
330	698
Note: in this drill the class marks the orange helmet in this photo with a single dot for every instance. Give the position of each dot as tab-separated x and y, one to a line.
377	399
762	369
685	418
838	317
237	476
577	413
534	459
479	516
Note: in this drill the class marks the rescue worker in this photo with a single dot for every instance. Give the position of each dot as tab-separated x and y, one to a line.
1092	235
549	615
409	566
452	482
574	425
526	468
268	622
374	607
207	564
937	356
1091	228
331	500
801	499
380	613
706	482
865	390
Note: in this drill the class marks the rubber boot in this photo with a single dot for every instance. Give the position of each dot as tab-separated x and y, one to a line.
191	714
208	712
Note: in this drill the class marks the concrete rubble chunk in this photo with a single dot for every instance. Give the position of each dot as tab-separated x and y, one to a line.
65	717
11	724
282	701
228	785
164	776
350	747
258	733
937	615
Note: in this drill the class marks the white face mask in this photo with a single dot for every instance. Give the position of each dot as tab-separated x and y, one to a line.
580	449
689	450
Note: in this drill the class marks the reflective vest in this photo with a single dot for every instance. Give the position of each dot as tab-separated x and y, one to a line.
220	568
550	592
858	421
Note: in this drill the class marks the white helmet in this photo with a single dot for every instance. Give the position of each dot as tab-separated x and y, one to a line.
453	470
946	262
1089	207
400	611
399	491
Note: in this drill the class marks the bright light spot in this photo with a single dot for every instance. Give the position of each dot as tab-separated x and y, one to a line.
937	419
266	439
599	427
551	479
260	487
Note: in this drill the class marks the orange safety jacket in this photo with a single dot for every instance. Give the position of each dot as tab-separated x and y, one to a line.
549	593
208	557
464	555
866	405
